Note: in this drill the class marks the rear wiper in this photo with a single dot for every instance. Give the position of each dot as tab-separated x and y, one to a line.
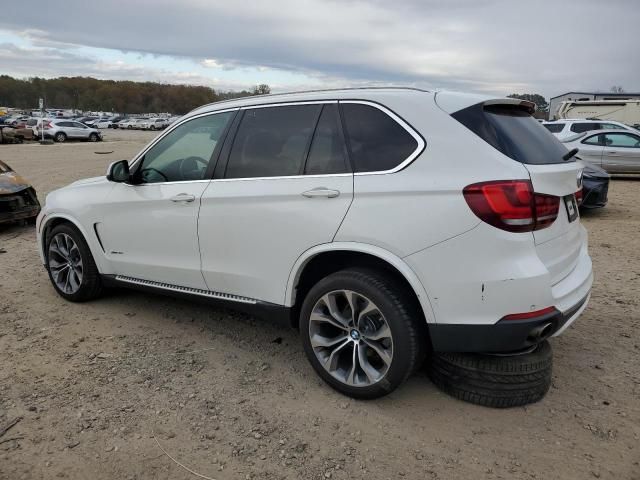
570	154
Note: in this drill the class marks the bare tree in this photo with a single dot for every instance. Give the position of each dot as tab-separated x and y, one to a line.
617	89
261	89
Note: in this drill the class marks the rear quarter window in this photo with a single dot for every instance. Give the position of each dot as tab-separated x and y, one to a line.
554	127
514	132
376	141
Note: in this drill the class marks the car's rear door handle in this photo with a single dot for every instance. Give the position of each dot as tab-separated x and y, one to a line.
183	197
613	154
321	192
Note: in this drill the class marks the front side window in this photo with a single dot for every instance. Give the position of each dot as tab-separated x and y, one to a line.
79	125
624	140
593	140
377	142
272	141
184	154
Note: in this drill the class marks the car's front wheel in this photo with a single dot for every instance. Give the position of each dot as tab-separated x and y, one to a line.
361	332
60	137
71	267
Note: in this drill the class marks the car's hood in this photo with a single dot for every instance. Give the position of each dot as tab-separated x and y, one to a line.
11	182
87	181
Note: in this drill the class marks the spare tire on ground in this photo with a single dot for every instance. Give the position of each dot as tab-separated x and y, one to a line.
498	381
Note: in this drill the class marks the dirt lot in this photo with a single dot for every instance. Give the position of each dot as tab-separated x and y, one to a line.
102	388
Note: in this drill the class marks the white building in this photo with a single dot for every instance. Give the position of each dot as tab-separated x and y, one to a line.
554	102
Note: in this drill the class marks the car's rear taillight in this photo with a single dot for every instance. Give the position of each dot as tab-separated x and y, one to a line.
579	197
47	125
512	205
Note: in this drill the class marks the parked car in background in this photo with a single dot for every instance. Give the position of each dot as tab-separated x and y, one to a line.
18	199
114	123
383	223
130	123
102	123
11	134
568	128
153	124
616	151
595	186
62	130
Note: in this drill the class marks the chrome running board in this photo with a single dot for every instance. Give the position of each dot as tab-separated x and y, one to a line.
193	291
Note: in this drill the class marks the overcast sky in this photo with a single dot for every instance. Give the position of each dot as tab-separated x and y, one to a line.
492	46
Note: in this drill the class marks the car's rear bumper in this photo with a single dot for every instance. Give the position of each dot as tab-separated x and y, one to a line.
476	279
505	335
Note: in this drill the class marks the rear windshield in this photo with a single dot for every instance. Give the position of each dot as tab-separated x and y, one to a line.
514	132
554	127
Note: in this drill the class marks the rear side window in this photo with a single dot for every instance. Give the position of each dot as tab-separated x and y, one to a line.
584	127
376	141
326	155
554	127
272	141
514	132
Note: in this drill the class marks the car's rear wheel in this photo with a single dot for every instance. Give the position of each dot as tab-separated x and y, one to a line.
129	127
60	137
497	381
71	267
152	127
361	333
93	137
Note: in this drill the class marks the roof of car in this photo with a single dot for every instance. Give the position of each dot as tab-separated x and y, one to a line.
583	120
447	100
305	95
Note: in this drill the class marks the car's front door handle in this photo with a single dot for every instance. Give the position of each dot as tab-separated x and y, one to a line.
613	154
321	192
183	197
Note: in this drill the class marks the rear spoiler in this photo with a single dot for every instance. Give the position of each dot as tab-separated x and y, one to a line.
452	102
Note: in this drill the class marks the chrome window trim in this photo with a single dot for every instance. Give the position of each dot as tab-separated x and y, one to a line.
417	137
417	152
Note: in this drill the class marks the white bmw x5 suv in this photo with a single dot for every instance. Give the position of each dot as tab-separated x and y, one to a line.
383	223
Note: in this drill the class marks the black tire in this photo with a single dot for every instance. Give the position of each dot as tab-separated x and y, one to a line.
60	137
152	127
129	127
492	380
94	137
91	284
401	314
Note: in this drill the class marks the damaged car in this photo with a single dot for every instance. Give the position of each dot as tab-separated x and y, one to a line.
18	199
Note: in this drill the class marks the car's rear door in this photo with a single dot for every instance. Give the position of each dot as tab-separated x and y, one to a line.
621	152
283	185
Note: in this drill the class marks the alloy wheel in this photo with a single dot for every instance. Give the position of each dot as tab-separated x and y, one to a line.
351	338
65	263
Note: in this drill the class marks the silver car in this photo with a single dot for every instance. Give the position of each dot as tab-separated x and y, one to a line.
64	129
616	151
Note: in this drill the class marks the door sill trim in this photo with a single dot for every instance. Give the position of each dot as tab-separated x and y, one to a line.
191	290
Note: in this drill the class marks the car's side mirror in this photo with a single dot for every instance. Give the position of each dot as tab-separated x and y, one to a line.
118	171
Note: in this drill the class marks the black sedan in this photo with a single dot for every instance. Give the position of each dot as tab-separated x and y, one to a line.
595	186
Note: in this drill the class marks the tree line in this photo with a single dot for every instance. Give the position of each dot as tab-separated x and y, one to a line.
120	96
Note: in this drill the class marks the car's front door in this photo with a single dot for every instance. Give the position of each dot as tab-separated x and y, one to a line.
282	186
591	149
621	152
149	227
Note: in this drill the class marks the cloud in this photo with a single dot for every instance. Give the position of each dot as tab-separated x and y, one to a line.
495	46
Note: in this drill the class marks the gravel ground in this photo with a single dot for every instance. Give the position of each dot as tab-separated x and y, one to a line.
114	388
